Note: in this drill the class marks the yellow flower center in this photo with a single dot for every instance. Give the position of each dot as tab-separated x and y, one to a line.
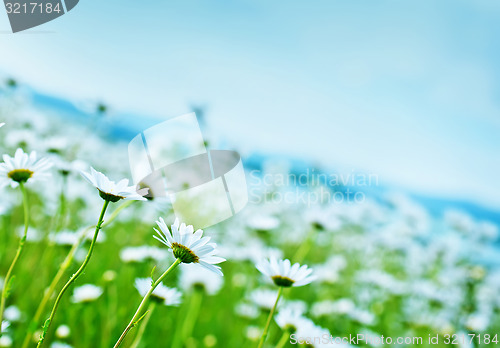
283	281
184	254
20	175
110	197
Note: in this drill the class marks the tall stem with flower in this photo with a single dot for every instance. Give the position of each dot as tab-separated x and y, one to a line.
187	246
9	278
137	316
62	269
110	192
284	275
17	171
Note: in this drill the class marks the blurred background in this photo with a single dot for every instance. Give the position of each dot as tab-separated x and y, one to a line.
406	94
406	90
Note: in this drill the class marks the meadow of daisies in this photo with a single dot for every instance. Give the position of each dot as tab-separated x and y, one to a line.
87	261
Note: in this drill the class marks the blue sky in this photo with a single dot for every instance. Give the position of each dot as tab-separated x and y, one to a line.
408	90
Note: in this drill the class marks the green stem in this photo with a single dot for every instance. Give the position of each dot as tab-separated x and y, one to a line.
8	278
190	319
305	247
144	323
136	318
35	322
268	323
284	339
62	204
74	276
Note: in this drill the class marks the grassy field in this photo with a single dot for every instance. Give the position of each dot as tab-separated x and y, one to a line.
383	267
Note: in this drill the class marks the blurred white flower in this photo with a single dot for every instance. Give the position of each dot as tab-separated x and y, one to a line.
284	274
164	294
86	293
143	253
60	345
196	277
111	191
247	310
290	319
460	221
63	331
70	238
22	168
12	314
322	218
64	238
253	333
382	279
5	341
264	298
5	325
26	138
189	246
329	272
252	250
296	305
2	124
313	335
263	222
34	236
362	316
329	307
478	322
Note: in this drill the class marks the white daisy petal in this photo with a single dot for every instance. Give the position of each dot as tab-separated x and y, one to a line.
189	246
284	274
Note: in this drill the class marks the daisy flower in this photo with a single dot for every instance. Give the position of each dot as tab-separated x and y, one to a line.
63	331
164	294
189	246
264	298
284	274
60	345
6	341
22	168
143	253
291	320
111	191
192	278
86	293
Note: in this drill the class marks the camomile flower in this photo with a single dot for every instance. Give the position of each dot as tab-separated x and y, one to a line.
247	310
164	294
22	168
284	274
143	253
5	341
264	298
12	314
60	345
111	191
189	246
290	319
313	335
197	278
63	331
5	325
86	293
